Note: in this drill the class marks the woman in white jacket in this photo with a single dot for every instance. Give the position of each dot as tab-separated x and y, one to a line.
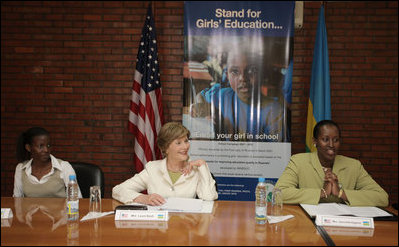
174	176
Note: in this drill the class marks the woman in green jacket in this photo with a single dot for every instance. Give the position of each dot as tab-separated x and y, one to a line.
324	176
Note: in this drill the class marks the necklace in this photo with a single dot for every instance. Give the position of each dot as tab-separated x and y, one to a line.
40	172
175	170
179	171
326	168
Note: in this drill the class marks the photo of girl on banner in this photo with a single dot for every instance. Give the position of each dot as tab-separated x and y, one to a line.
244	99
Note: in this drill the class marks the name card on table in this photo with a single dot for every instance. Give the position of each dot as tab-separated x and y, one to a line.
161	215
344	221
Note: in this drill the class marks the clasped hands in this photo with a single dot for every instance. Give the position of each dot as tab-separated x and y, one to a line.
157	200
331	184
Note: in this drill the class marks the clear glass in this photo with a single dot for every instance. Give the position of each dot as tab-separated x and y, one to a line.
277	202
95	199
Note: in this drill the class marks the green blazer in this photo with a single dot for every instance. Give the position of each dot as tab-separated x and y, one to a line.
303	178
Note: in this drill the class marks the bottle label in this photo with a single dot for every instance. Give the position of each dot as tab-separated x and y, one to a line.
73	207
260	213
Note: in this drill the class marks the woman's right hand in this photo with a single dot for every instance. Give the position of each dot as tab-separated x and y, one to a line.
152	199
327	188
328	180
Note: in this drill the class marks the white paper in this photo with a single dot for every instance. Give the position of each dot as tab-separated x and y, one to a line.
94	215
276	219
366	211
182	204
176	204
343	209
186	205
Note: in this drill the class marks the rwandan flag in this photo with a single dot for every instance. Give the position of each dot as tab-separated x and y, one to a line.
319	97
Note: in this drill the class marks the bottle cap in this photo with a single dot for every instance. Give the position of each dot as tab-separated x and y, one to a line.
72	177
261	180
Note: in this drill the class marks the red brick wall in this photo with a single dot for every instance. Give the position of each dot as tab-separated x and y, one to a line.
68	66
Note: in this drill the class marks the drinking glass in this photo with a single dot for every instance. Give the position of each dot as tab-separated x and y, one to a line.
277	202
95	199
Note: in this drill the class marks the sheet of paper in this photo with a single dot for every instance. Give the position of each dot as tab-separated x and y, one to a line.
94	215
324	209
343	209
182	204
276	219
365	211
187	205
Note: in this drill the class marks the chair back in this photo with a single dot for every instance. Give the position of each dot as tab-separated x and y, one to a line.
88	175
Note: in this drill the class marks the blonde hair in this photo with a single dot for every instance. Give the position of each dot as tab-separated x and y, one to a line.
170	132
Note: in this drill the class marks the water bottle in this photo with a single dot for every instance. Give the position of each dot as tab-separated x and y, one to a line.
72	233
260	203
72	199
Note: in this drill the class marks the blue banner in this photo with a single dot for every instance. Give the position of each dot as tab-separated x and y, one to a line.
237	90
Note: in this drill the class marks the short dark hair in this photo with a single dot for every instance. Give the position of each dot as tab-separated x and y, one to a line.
316	130
27	138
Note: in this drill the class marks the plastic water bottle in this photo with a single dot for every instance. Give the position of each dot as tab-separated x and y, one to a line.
260	203
72	199
72	233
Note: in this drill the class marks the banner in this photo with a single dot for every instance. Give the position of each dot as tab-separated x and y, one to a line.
237	90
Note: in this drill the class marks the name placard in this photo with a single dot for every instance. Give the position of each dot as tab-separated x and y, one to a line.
344	221
161	215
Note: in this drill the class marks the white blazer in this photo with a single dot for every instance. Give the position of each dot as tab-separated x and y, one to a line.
155	179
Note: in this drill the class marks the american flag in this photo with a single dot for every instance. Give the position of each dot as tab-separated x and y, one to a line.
146	115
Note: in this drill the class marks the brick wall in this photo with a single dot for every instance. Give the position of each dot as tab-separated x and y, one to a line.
68	66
